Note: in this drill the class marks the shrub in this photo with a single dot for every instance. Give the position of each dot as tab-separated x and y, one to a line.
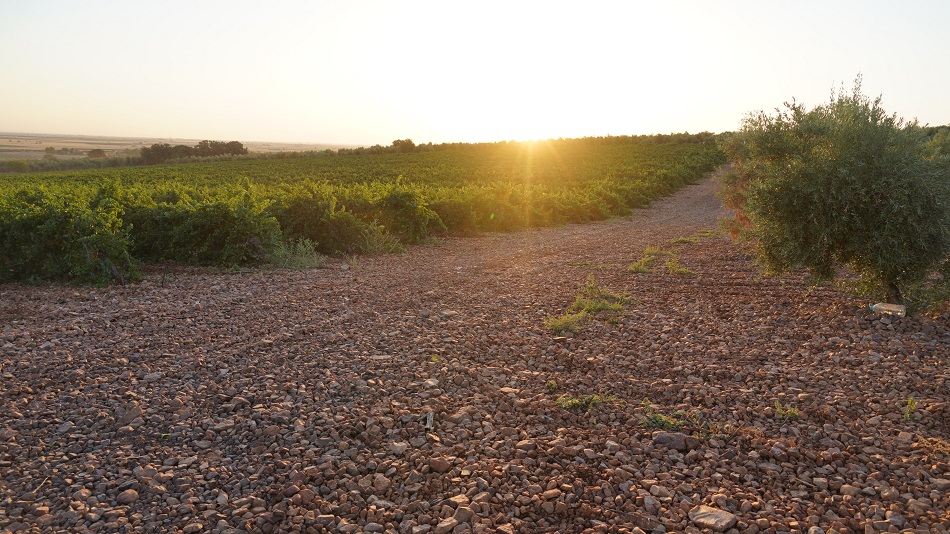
318	217
43	237
841	184
407	216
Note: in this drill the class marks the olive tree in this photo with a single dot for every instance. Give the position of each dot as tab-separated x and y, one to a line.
843	183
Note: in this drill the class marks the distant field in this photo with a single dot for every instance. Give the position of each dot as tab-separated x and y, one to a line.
33	146
96	223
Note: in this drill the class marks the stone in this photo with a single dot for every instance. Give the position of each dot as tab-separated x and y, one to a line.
446	525
128	496
671	440
191	528
463	514
130	415
526	445
381	483
848	489
712	518
439	464
325	520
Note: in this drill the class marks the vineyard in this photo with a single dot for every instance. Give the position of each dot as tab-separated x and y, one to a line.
99	225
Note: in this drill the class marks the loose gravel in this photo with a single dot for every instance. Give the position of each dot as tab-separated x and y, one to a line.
419	393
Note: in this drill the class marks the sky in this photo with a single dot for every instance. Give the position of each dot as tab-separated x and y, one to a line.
368	72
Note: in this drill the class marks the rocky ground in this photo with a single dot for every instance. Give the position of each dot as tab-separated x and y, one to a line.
422	392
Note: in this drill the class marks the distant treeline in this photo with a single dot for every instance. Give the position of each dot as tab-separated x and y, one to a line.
152	155
164	152
407	145
160	153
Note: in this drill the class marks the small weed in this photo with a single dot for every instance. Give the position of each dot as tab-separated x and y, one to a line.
593	300
551	386
786	412
684	240
676	420
299	254
569	322
909	409
376	240
692	420
653	250
673	266
642	265
661	421
578	263
650	255
584	403
595	306
434	359
163	435
708	232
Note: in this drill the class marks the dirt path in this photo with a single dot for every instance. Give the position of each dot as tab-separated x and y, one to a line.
299	401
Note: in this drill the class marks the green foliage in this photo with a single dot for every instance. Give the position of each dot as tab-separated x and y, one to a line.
551	386
841	184
297	254
595	299
162	152
787	411
910	409
15	165
651	254
684	240
685	420
241	211
49	237
660	421
592	301
405	211
568	322
318	217
673	266
584	403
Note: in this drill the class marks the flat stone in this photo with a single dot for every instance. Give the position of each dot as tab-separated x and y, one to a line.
712	518
463	514
132	414
326	520
671	440
446	525
128	496
439	464
526	445
848	489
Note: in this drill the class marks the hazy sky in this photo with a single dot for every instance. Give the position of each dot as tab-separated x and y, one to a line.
356	72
